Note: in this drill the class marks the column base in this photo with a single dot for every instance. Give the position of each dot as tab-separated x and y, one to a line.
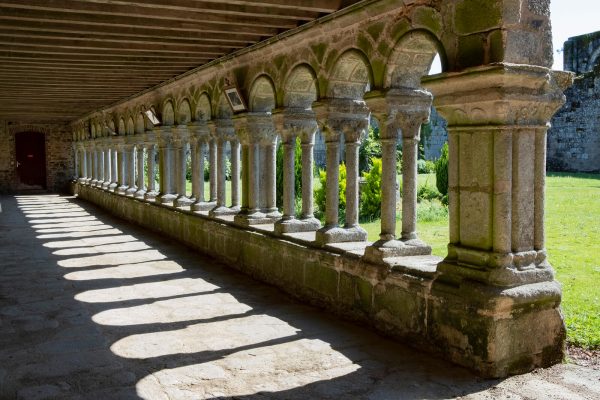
498	331
93	182
166	199
382	249
151	195
272	213
254	218
336	234
131	191
112	187
220	211
81	181
203	205
182	201
122	190
140	194
105	185
294	225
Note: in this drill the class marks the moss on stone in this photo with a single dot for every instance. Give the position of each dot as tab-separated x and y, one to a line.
319	51
428	18
471	50
477	16
322	280
399	30
365	44
375	30
496	46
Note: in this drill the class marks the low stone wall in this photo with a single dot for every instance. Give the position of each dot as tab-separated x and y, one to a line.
485	329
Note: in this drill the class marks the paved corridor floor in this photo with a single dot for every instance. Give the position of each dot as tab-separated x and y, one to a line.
95	308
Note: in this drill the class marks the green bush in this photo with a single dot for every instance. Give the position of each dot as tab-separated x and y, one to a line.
370	205
431	210
428	193
425	166
441	171
369	149
320	194
207	170
297	172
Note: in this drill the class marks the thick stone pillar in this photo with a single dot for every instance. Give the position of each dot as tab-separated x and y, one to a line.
297	123
223	132
141	186
351	119
166	164
400	112
107	166
200	134
181	145
495	304
151	192
130	149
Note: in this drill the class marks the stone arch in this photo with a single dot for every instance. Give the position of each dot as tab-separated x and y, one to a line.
203	110
262	95
300	87
130	126
184	112
411	59
168	114
111	126
351	76
121	130
140	125
93	129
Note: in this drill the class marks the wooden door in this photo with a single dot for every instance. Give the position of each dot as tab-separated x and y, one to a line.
31	158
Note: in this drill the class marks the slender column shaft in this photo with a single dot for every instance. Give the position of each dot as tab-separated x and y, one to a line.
181	169
271	181
289	192
201	164
151	168
307	180
131	166
90	170
195	158
165	166
121	162
332	184
140	167
107	165
83	163
388	189
114	167
409	188
352	184
76	161
101	165
245	177
235	173
94	164
213	170
253	178
221	173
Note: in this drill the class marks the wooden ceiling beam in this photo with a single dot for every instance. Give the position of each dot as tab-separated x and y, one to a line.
115	48
91	56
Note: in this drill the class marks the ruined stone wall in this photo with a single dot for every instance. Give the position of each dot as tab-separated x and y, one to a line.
433	142
59	155
574	139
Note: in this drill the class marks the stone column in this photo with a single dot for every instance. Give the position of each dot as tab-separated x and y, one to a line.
123	162
399	111
94	176
76	174
223	132
130	149
351	119
259	134
83	164
100	152
151	193
212	160
496	276
166	161
90	164
140	171
297	123
114	168
200	134
234	146
107	166
181	146
241	132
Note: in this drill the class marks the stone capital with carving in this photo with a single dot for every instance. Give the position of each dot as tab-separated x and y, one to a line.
298	122
199	132
261	129
348	117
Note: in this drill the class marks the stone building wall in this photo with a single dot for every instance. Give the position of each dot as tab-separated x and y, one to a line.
574	139
59	155
432	143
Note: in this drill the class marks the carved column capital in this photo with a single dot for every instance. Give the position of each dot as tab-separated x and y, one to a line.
164	135
298	122
261	128
199	132
347	117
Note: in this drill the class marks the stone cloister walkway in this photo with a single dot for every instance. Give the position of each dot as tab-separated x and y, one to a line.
95	308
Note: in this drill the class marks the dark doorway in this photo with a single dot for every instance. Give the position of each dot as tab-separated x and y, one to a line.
31	159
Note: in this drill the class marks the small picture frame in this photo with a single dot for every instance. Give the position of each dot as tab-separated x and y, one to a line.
236	102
